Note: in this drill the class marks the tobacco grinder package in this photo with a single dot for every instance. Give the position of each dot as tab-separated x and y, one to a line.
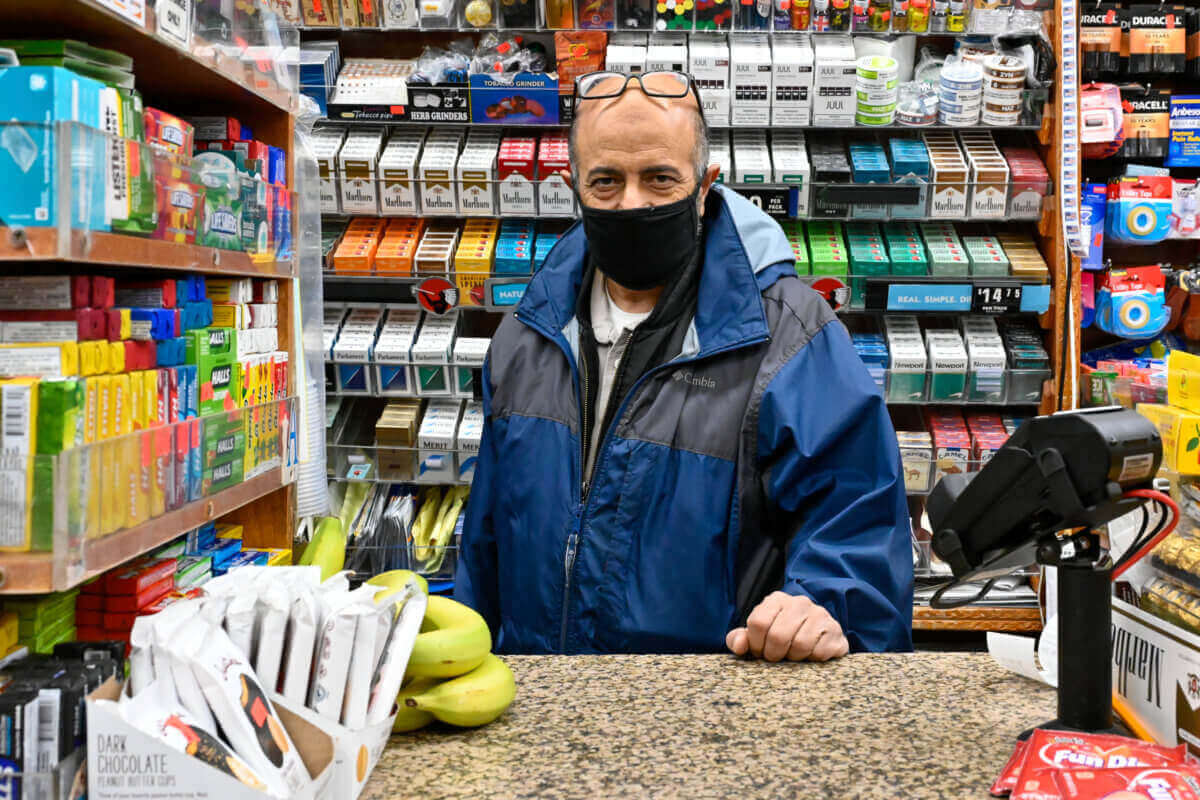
243	709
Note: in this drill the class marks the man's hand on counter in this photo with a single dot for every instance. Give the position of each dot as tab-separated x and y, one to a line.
789	626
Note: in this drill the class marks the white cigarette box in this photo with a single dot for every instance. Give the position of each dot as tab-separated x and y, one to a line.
791	80
750	79
358	163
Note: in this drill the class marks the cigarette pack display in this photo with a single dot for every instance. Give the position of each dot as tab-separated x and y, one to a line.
437	171
475	173
358	164
516	171
398	173
125	603
555	197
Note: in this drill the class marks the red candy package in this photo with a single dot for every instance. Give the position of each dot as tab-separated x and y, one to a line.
1048	752
1155	783
1007	778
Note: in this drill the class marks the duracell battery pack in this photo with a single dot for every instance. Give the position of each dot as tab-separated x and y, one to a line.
1100	39
1157	39
1147	122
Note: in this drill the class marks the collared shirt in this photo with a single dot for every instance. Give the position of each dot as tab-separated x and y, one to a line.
612	327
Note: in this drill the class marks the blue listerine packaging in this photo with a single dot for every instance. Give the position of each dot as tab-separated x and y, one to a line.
1183	150
35	98
1091	221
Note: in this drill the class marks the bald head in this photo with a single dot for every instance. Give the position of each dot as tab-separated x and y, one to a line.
634	150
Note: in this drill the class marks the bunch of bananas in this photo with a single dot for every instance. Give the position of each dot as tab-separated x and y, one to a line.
452	674
434	525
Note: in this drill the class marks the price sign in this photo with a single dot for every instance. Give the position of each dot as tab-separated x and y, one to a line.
174	19
132	10
772	201
996	299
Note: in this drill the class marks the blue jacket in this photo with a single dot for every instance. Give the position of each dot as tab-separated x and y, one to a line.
762	457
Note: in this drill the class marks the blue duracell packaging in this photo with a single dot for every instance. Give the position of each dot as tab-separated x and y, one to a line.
1091	220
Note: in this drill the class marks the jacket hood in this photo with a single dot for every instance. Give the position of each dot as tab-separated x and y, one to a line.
741	244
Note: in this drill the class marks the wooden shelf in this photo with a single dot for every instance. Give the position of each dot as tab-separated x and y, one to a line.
34	573
163	70
978	618
118	250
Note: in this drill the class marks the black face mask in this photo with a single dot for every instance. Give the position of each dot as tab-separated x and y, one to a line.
643	248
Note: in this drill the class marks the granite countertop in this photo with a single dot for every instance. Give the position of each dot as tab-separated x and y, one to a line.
924	725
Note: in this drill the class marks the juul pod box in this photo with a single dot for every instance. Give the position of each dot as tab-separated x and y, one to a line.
126	764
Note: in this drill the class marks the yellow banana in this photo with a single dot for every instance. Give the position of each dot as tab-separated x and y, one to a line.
409	718
327	549
423	524
472	700
395	584
454	640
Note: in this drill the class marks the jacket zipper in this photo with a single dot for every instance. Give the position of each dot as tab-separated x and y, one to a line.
585	431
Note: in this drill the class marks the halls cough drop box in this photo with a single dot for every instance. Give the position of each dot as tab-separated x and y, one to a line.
214	353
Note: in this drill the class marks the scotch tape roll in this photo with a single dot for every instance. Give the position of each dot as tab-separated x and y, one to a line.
1134	313
1141	220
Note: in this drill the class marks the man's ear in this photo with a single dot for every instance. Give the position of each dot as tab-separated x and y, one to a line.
710	177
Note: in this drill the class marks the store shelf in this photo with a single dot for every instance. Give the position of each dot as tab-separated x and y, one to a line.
497	292
164	71
35	573
560	126
980	294
22	246
976	618
329	31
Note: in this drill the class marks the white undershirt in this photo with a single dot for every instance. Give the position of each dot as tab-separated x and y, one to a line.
609	324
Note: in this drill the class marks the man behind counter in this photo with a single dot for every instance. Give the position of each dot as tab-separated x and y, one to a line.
682	451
